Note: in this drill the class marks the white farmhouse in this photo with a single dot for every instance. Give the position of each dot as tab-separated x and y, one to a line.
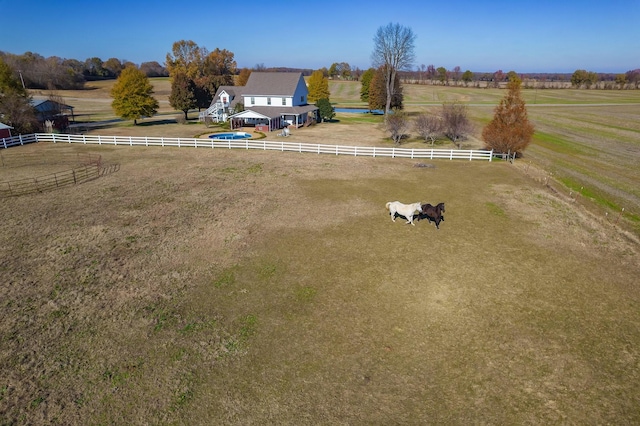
271	101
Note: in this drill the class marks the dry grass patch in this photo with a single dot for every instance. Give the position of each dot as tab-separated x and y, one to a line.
237	287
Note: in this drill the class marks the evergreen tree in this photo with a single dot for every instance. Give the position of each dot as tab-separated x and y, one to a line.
318	87
326	110
183	94
510	129
132	95
378	92
365	81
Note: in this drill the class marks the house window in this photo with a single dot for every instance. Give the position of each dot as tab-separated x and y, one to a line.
284	101
268	101
253	100
302	98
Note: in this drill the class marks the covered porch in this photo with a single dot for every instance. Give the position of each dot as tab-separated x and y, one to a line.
255	119
274	118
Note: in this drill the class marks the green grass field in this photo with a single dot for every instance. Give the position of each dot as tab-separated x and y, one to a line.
195	286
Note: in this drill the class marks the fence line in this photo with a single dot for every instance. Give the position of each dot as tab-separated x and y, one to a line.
51	181
19	140
450	154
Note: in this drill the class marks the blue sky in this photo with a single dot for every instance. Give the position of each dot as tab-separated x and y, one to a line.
482	36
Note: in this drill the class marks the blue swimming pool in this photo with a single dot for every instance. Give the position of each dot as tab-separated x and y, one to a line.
231	135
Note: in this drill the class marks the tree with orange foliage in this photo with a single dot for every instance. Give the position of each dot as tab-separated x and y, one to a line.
510	130
243	77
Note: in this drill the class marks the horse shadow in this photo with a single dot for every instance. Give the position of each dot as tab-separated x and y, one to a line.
398	215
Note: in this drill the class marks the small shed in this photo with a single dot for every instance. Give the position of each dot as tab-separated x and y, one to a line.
5	131
47	109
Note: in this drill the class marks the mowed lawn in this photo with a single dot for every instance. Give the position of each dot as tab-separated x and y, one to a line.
195	286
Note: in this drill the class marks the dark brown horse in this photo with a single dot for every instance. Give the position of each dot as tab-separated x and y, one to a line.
432	213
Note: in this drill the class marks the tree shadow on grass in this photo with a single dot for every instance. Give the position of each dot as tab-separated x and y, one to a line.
156	122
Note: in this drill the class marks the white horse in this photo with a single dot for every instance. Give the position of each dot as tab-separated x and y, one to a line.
406	210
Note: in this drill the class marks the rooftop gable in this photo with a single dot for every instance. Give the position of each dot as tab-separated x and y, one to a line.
44	105
273	84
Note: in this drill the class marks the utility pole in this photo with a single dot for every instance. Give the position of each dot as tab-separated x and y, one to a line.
22	79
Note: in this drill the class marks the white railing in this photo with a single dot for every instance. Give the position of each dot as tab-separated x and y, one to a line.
368	151
18	140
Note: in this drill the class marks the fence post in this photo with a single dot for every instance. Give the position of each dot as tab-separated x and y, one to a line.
491	155
20	138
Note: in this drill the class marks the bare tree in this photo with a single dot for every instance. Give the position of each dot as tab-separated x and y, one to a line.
393	50
428	126
456	124
456	75
397	125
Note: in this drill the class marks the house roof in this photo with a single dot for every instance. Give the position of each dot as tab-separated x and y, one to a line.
4	126
274	112
234	91
272	84
231	90
45	105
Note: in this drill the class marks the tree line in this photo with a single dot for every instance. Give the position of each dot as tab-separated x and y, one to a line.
54	73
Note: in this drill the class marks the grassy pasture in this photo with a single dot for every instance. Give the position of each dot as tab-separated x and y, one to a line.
586	141
199	286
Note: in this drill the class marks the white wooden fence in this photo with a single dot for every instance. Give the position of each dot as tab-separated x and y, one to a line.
368	151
